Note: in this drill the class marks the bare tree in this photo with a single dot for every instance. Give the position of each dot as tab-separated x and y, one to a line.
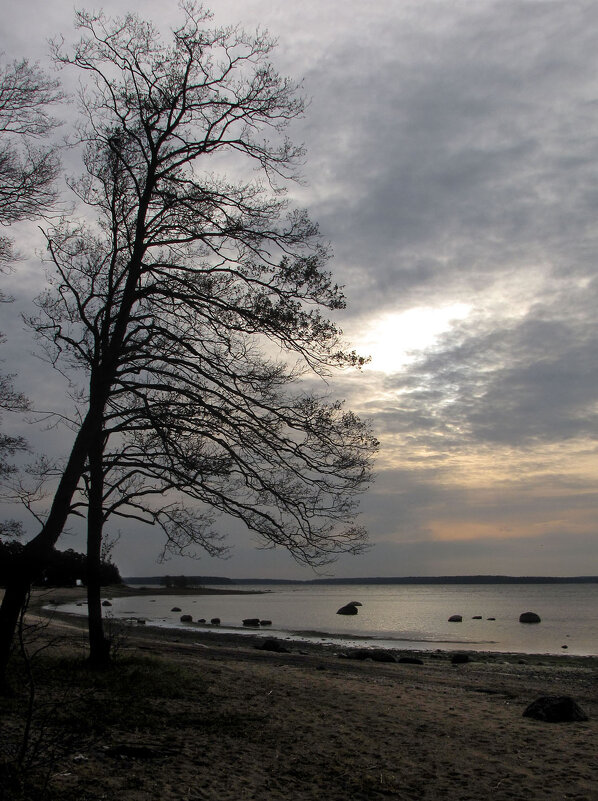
194	305
27	171
27	175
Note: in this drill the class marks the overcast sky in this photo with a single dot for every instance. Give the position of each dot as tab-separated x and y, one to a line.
453	164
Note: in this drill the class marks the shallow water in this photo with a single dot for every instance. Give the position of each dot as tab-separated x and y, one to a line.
399	616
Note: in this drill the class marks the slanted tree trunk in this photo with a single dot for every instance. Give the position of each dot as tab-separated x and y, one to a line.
99	644
100	384
35	553
15	598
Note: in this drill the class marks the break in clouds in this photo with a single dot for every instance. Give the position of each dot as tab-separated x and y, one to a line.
452	163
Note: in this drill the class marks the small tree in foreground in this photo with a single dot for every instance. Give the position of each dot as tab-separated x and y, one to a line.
193	305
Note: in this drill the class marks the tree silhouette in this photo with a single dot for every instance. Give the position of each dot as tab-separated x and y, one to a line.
27	175
193	306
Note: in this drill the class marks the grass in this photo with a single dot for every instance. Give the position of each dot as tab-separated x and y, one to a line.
78	711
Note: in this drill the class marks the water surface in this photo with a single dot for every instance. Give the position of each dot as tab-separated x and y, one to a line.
397	616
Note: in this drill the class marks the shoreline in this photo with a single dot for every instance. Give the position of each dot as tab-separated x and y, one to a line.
245	638
296	637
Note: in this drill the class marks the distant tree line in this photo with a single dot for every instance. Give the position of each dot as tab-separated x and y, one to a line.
63	568
176	582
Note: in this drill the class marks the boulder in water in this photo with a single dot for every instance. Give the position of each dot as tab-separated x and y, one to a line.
349	609
455	619
529	617
251	621
186	619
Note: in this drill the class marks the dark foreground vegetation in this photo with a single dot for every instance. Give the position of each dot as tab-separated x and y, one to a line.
82	715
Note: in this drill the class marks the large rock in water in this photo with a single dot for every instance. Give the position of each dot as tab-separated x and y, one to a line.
555	709
455	619
349	609
529	617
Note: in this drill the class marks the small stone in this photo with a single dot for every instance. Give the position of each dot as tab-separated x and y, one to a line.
273	645
176	609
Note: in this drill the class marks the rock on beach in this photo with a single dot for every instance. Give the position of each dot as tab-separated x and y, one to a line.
555	709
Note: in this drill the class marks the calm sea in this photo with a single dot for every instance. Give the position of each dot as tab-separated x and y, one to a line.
391	616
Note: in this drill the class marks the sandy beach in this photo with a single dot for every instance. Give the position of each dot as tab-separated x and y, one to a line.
207	716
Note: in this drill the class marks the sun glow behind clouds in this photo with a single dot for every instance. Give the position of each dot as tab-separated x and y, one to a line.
394	340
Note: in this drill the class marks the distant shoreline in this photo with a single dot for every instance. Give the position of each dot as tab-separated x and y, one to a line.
477	579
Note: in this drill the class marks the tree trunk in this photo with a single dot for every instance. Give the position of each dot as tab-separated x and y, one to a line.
99	644
35	553
102	376
15	598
